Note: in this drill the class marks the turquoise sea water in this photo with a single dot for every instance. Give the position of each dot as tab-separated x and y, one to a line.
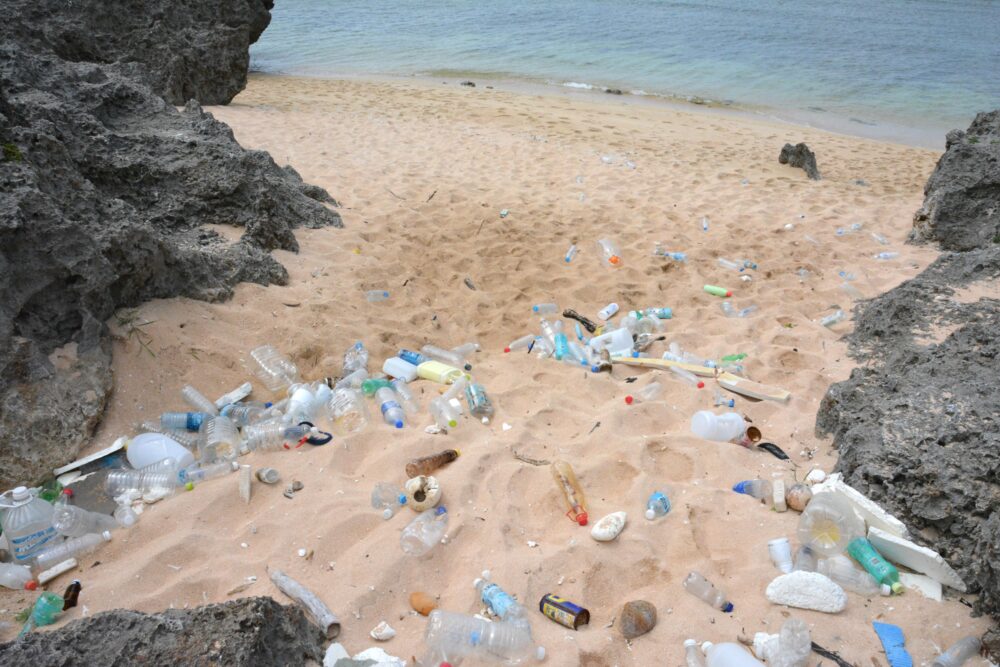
899	69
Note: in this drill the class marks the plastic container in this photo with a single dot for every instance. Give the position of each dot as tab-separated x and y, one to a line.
657	505
571	253
220	440
480	405
608	311
702	588
692	656
452	637
234	396
841	570
73	521
387	498
274	434
424	532
189	421
203	473
348	411
545	308
444	415
608	251
27	524
392	413
198	401
687	377
729	655
71	548
832	318
398	368
780	551
572	494
522	343
243	415
757	488
648	393
374	295
15	577
959	653
828	524
444	356
720	428
864	552
143	482
427	465
618	342
150	448
435	371
272	368
356	358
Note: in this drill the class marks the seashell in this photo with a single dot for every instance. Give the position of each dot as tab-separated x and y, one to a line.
422	493
637	618
422	603
798	496
382	632
609	527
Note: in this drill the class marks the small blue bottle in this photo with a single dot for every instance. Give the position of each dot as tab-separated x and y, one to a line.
658	505
414	358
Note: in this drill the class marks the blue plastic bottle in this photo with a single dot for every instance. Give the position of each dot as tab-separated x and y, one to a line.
658	505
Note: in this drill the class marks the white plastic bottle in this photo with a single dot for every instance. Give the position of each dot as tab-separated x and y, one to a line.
608	311
692	656
71	548
392	413
27	524
15	577
399	368
388	498
73	521
729	655
198	401
451	637
720	428
425	531
958	653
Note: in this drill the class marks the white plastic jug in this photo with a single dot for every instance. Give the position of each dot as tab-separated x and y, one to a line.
618	342
729	655
721	428
149	448
27	524
399	368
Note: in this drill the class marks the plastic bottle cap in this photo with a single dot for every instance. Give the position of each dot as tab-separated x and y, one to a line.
31	585
582	519
21	493
885	590
690	642
506	349
629	400
387	514
728	608
650	514
399	424
68	492
897	588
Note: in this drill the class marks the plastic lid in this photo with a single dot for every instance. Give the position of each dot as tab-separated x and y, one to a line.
582	519
387	514
690	642
885	590
728	608
440	510
897	588
399	424
21	493
629	400
650	514
506	349
701	385
540	653
106	535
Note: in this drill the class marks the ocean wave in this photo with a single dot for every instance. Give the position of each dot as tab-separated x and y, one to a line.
574	84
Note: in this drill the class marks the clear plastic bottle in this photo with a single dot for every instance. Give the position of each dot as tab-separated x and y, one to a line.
720	428
886	255
27	524
704	223
756	488
202	473
444	356
220	440
545	308
352	380
805	560
657	505
348	411
571	253
451	637
466	350
427	465
479	402
692	656
720	399
841	570
522	343
140	481
392	413
73	521
832	318
687	377
650	392
235	395
185	438
406	397
444	415
702	588
959	652
425	531
356	358
387	498
828	524
125	516
572	494
15	577
180	421
608	251
71	548
243	415
198	401
272	368
865	553
791	647
501	603
373	295
274	434
729	264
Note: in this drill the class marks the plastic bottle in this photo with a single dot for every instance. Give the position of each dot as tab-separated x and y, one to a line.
718	291
721	399
233	396
608	251
720	428
756	488
864	552
406	397
425	531
71	548
202	473
648	393
959	652
73	521
805	560
545	308
832	318
522	343
243	415
147	449
728	264
220	439
571	253
274	434
886	255
501	603
371	385
435	371
466	350
660	251
355	358
412	357
692	656
444	356
198	401
388	498
479	402
185	438
376	295
190	421
702	588
43	612
780	551
27	524
841	570
121	481
454	392
15	577
392	413
444	415
704	223
828	524
452	637
272	368
657	505
125	516
352	380
608	311
572	494
348	411
791	647
688	377
426	465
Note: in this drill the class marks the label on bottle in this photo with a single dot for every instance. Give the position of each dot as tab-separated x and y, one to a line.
498	600
563	612
27	547
389	405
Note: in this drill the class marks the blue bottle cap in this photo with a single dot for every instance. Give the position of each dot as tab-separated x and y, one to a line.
399	424
728	608
441	509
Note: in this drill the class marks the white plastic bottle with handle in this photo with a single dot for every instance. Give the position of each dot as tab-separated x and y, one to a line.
27	524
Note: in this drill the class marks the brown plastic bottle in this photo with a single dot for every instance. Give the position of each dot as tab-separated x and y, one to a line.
571	492
426	465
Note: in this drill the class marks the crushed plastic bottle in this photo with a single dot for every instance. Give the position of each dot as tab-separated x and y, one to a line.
388	498
274	434
545	308
425	531
832	318
479	402
702	588
501	603
234	396
27	524
841	570
356	358
243	415
220	440
73	521
755	488
272	368
790	648
959	653
185	438
406	397
720	399
648	393
71	548
43	612
16	577
198	401
452	637
572	494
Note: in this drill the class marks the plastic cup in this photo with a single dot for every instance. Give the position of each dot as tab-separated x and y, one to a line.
781	554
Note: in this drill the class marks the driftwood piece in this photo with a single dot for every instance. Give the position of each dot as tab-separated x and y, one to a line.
317	611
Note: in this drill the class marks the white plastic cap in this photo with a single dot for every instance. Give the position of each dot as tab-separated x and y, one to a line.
688	643
540	653
705	646
886	590
387	514
21	493
650	514
106	535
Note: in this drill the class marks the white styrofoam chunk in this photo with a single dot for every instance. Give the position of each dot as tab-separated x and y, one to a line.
925	585
869	510
915	557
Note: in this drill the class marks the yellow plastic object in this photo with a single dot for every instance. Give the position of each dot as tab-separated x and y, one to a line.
436	371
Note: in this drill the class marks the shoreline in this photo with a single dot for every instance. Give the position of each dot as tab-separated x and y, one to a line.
815	120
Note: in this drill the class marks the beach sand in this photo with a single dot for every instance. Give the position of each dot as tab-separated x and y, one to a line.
422	170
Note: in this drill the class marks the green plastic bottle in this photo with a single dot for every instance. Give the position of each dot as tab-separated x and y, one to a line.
884	572
43	612
371	385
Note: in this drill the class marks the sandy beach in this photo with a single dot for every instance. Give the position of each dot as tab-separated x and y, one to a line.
422	170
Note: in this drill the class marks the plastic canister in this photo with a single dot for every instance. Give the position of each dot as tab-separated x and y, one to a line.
721	428
729	655
438	372
27	524
617	342
608	311
399	368
149	448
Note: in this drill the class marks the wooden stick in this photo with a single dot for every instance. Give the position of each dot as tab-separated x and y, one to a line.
664	364
315	608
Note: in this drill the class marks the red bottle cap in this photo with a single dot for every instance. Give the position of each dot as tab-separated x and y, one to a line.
729	292
31	585
68	492
506	349
629	400
582	519
701	385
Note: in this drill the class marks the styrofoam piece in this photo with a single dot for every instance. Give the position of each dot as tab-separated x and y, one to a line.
118	444
54	571
918	558
923	584
868	509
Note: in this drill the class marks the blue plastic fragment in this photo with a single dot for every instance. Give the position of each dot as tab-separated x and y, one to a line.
893	642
